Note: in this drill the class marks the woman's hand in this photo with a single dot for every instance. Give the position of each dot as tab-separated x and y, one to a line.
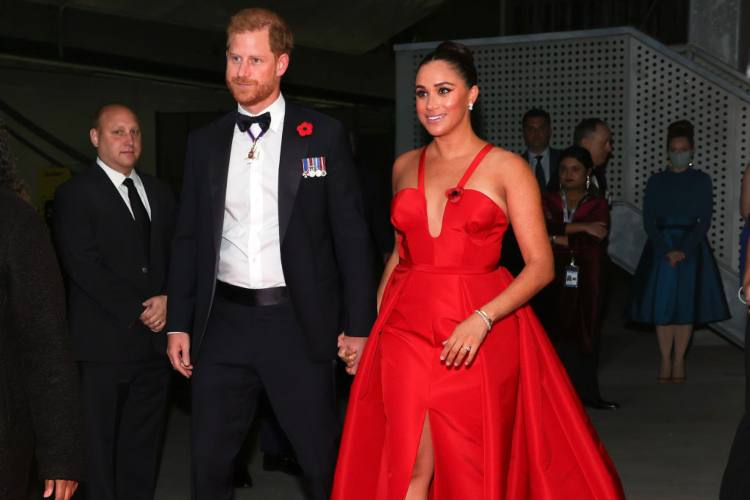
675	256
464	343
598	230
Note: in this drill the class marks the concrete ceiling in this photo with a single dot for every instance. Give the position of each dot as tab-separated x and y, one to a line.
345	26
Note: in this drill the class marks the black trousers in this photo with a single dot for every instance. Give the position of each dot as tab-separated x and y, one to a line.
125	409
735	484
582	367
247	350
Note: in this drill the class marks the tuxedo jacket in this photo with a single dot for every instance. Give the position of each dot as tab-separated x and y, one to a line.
553	182
326	250
102	255
38	380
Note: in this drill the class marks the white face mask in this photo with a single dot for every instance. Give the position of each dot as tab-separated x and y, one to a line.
681	159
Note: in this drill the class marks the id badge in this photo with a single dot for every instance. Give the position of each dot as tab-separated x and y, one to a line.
571	276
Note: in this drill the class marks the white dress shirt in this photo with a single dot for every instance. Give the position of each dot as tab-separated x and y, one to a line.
118	180
250	253
531	158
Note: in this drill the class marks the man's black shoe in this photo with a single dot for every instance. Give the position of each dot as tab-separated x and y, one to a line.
282	463
242	478
600	404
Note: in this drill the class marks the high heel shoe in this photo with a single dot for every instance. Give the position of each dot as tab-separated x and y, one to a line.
678	373
665	373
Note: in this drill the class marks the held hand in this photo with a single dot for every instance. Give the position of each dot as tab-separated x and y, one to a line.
178	352
597	229
350	351
464	342
62	488
155	314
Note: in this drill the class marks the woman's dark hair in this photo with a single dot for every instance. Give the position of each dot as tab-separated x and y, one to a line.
680	129
580	154
458	56
9	178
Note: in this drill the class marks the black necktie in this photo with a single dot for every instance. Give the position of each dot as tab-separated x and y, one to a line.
539	172
244	122
139	214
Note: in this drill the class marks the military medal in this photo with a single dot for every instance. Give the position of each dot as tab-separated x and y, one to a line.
314	167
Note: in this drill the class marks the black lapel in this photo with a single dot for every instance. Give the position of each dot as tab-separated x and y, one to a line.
293	150
218	170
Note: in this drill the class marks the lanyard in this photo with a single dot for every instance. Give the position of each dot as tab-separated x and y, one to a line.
569	214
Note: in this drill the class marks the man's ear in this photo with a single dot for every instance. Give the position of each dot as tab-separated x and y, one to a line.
94	137
282	63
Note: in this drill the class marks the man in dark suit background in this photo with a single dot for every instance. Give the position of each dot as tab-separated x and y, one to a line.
272	261
39	405
113	227
596	137
541	157
536	126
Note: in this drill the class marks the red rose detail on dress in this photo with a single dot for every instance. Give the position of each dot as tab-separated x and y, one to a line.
454	194
304	129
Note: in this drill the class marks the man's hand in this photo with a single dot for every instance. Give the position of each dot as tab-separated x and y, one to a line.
178	351
62	488
350	351
155	314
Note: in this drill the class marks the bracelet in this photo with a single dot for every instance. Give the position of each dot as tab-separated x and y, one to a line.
485	318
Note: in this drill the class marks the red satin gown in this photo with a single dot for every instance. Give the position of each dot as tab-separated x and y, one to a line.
510	425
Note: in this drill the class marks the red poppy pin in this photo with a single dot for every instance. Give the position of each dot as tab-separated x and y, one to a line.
304	129
454	194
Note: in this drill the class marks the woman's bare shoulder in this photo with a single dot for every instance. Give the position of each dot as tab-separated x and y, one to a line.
506	163
405	160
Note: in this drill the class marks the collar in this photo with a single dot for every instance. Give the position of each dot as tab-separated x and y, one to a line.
116	177
544	154
277	110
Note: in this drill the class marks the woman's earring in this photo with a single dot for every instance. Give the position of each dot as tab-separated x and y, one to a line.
471	106
588	182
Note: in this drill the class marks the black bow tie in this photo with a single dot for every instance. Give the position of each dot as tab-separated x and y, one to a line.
244	121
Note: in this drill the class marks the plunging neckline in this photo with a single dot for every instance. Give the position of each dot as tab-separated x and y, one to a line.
456	191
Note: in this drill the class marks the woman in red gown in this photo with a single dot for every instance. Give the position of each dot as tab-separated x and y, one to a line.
458	393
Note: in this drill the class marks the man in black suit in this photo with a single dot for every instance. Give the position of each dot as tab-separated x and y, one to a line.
543	159
39	415
272	261
113	227
595	136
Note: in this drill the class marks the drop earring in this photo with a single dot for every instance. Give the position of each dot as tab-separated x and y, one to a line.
471	106
588	182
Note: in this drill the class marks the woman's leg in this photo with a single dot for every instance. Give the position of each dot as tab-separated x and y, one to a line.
665	336
681	342
424	465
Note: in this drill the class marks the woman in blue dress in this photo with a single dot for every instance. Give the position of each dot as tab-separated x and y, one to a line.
677	283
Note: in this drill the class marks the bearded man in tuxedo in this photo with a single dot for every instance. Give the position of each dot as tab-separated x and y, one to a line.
272	260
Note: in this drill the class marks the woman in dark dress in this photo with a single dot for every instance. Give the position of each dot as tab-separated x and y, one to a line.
577	221
677	283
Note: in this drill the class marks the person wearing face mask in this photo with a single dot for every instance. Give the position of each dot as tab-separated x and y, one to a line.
570	308
677	284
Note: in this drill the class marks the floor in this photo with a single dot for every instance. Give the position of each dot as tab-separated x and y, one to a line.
668	442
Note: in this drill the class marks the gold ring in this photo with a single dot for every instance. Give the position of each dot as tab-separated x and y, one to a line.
468	348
